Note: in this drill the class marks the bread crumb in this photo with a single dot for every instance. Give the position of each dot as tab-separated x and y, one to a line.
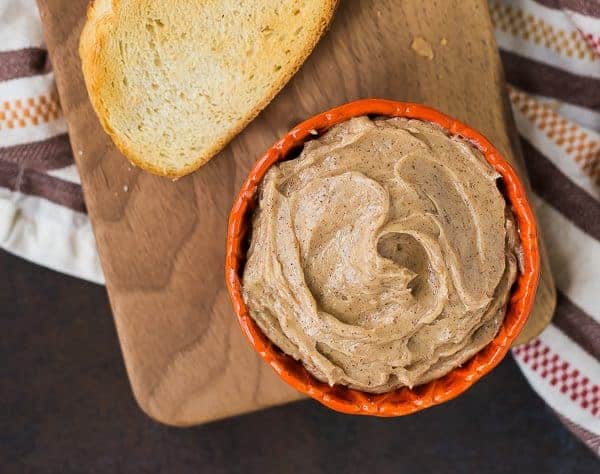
422	48
125	188
379	13
314	132
443	41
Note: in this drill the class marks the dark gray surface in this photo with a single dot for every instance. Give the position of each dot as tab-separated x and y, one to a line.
67	407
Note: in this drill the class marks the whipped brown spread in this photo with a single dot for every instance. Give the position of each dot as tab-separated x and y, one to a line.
382	256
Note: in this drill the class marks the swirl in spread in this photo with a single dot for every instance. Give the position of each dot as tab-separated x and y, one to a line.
382	256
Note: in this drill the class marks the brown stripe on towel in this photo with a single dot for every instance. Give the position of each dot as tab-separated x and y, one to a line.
559	191
48	154
577	325
549	3
590	439
36	183
23	63
538	78
584	7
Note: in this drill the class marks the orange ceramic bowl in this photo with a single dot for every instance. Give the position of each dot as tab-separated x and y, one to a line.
403	400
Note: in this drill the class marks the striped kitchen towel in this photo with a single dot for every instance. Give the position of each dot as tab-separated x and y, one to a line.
42	213
551	54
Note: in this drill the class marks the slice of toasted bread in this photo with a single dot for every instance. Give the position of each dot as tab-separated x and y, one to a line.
173	81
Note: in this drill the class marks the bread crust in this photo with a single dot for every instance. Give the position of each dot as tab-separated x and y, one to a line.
100	16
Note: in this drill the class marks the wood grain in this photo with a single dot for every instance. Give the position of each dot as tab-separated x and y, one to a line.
162	243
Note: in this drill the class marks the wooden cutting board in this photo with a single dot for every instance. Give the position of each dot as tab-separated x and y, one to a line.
162	243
